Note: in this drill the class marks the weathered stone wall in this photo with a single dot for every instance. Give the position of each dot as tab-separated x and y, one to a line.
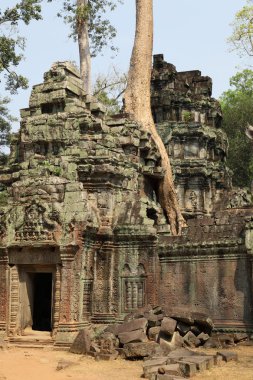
210	269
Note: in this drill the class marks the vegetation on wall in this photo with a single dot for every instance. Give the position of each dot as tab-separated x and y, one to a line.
237	106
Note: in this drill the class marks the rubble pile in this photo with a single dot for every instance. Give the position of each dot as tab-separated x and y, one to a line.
161	338
155	328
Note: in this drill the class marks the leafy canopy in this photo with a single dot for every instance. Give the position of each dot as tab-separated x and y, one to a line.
12	44
237	113
109	88
242	36
101	31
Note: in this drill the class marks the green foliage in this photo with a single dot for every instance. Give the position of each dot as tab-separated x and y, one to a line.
5	125
11	44
242	36
108	89
237	113
187	116
101	32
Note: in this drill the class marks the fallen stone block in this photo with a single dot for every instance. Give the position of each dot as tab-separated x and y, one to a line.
240	337
135	324
132	337
212	343
180	315
188	369
196	330
228	356
153	320
155	362
183	328
203	337
168	326
82	342
225	339
203	321
191	340
150	372
180	353
211	361
139	350
202	363
176	341
153	333
170	369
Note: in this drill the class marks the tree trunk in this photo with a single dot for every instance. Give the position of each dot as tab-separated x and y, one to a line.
84	47
138	106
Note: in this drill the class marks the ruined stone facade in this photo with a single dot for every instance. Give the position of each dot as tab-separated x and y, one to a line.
210	267
80	217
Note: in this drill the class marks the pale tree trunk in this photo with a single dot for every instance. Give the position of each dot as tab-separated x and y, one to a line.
138	106
84	48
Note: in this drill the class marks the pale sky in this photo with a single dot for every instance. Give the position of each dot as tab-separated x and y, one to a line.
191	34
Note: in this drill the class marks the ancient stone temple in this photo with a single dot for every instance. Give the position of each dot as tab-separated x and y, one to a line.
210	267
83	237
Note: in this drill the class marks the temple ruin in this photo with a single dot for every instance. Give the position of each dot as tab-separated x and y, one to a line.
83	237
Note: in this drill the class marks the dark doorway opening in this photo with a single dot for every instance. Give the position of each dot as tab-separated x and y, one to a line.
42	302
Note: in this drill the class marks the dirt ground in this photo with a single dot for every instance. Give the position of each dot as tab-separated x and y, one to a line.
41	364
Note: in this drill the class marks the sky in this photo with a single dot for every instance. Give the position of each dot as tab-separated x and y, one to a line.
192	34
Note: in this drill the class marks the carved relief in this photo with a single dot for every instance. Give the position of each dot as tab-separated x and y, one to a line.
37	225
239	198
133	284
193	199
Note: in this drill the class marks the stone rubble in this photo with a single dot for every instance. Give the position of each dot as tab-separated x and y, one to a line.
162	342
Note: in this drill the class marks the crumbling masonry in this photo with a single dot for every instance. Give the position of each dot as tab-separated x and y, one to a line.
83	237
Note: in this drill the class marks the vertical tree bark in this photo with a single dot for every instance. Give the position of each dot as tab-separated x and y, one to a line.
138	105
84	47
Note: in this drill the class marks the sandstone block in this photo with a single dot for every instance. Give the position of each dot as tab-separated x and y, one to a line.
168	326
139	350
183	328
155	362
191	340
82	343
239	337
175	342
135	324
200	361
204	322
180	315
132	337
228	356
203	337
170	369
188	369
212	342
153	333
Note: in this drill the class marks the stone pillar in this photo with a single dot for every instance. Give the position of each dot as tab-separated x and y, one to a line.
135	295
140	294
129	295
3	292
68	327
57	298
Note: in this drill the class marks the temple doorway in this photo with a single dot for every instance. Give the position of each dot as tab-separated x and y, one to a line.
42	302
37	287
